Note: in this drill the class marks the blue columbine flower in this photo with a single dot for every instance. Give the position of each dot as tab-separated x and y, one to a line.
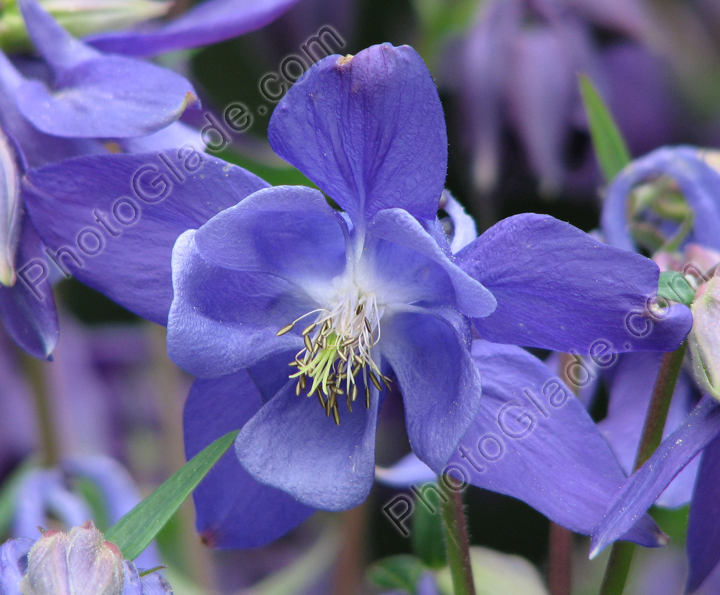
280	301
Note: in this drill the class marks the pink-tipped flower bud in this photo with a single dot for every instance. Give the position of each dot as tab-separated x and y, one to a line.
80	562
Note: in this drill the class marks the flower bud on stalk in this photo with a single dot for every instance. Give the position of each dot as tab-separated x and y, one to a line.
705	336
79	562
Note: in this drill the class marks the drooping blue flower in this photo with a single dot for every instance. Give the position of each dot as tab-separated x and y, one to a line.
678	458
93	96
277	295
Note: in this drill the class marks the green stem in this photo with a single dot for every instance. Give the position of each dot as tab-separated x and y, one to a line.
618	566
457	543
49	444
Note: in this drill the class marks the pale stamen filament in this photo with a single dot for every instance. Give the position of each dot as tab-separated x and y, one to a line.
337	347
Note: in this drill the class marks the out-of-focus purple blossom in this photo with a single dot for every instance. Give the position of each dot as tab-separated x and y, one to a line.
519	66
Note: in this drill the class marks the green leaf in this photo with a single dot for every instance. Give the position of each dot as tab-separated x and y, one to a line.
610	148
138	528
397	572
428	539
674	286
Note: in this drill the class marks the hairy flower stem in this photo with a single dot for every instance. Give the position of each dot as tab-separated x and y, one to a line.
457	543
35	373
559	559
618	566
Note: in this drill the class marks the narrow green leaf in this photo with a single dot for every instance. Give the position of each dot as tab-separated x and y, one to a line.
138	528
610	148
397	572
674	286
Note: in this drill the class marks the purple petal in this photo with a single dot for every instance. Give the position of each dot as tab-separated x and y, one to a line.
400	228
703	534
532	439
408	471
288	231
558	288
13	564
464	230
28	307
439	382
368	130
95	95
144	202
630	391
290	444
222	320
642	489
205	24
37	148
233	510
178	134
698	182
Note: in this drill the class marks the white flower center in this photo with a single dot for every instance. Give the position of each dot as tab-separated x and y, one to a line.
338	348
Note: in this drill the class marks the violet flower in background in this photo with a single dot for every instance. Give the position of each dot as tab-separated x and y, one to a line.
518	74
220	327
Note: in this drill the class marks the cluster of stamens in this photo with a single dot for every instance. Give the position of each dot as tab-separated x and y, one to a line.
337	352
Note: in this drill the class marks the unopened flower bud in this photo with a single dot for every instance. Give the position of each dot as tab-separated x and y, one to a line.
80	562
705	336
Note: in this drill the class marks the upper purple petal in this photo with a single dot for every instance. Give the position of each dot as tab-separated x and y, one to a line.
146	201
698	182
205	24
369	130
532	439
233	510
642	489
558	288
